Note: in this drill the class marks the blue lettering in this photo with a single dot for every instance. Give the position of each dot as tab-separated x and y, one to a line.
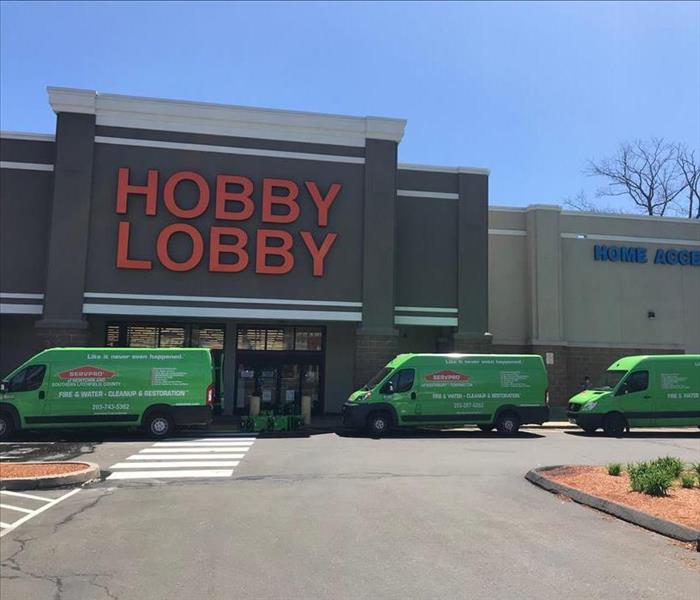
600	252
683	257
642	255
613	253
660	258
695	258
672	257
628	254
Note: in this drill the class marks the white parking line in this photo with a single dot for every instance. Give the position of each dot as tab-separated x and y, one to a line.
202	444
23	495
199	449
17	508
187	456
201	473
49	502
176	464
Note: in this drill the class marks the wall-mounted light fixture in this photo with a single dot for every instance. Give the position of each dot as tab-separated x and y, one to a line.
651	314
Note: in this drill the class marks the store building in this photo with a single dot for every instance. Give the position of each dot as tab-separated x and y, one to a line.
299	249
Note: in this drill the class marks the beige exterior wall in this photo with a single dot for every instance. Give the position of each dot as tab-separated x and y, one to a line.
546	289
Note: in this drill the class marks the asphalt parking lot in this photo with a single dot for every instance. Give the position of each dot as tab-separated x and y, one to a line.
420	515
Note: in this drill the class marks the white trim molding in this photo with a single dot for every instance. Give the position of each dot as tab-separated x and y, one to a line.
628	238
435	321
423	194
439	169
26	136
358	160
220	312
25	166
17	296
518	232
21	309
227	120
425	309
221	299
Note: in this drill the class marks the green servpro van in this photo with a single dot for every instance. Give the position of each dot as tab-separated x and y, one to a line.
641	391
416	390
156	389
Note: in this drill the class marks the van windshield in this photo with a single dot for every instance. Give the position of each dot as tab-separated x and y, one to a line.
376	379
610	379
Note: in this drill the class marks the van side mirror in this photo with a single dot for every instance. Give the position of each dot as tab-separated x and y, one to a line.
622	390
3	386
388	388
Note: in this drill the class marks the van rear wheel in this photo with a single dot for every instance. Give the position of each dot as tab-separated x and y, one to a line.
614	424
159	425
7	426
378	424
508	423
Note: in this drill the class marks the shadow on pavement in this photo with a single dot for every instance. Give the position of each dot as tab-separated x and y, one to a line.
437	434
688	434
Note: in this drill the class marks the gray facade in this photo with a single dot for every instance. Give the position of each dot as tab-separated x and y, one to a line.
186	214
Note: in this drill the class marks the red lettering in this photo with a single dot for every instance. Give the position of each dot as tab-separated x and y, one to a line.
217	248
123	260
243	197
169	194
287	200
262	251
318	254
162	247
124	188
323	203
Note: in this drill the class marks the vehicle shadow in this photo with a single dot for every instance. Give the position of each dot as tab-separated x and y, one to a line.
438	434
688	434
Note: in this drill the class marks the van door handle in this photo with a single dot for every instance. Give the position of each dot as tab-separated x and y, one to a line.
647	397
42	395
413	395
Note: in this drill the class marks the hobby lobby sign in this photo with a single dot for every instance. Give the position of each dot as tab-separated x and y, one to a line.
232	201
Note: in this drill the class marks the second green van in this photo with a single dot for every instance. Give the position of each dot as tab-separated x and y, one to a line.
417	390
641	391
153	388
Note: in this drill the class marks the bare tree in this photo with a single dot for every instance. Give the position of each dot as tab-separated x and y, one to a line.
689	167
580	201
646	172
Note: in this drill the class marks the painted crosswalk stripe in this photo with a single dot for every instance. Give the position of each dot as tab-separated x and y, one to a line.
201	473
203	444
176	464
157	457
17	508
193	450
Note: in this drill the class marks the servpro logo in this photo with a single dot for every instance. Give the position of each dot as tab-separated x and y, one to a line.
86	372
447	376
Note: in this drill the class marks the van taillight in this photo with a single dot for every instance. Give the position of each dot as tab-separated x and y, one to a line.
546	397
210	395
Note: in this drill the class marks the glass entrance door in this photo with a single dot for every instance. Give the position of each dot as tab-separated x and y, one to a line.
279	384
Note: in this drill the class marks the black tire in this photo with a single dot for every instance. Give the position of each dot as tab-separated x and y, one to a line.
508	423
485	428
589	430
614	425
379	424
159	425
7	426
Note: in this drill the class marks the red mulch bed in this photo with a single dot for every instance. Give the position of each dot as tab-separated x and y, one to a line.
680	506
17	470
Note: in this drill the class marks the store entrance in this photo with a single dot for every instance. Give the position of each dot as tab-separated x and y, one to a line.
280	365
279	383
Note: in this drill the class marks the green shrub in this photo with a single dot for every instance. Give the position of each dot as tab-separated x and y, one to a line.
650	478
614	469
687	480
671	464
696	468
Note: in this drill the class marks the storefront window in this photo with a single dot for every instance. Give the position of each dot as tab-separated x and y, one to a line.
208	337
251	338
309	338
279	339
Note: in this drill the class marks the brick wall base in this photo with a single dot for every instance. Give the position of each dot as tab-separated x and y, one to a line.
57	338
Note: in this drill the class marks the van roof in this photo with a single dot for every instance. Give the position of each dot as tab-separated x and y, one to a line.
629	362
120	349
429	357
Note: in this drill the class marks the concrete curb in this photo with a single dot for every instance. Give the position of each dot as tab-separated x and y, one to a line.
90	472
667	528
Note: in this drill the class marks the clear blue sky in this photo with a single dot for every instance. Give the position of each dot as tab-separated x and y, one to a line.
530	91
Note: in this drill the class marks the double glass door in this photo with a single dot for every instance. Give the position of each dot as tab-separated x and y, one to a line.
280	384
